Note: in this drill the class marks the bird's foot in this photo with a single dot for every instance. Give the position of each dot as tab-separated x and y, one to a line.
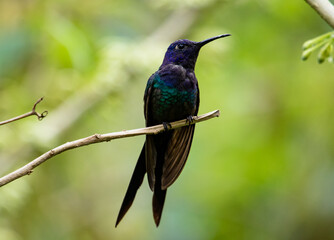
166	126
190	120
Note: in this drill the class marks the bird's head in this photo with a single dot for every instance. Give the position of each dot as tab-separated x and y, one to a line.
184	52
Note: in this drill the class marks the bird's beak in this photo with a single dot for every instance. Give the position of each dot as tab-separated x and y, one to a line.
202	43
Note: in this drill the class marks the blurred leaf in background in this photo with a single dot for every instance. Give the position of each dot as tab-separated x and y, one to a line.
263	170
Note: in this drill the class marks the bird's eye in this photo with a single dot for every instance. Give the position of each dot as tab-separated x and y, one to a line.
180	46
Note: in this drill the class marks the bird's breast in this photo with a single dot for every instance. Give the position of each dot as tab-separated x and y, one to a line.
173	99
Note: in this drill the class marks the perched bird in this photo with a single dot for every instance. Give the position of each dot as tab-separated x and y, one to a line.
171	94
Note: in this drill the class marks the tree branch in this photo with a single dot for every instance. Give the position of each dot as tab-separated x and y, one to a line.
97	138
324	8
32	112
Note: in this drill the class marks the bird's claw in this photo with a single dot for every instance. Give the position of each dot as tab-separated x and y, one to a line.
167	125
190	120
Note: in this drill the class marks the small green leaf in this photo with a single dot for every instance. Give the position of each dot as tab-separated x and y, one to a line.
307	52
322	38
324	41
325	52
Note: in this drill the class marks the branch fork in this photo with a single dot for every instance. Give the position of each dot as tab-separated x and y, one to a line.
40	116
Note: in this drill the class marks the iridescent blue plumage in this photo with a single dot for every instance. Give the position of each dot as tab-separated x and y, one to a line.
172	97
171	94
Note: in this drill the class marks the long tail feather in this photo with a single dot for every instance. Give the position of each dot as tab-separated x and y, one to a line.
159	195
158	204
135	182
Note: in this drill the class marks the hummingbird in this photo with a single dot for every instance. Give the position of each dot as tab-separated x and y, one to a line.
171	94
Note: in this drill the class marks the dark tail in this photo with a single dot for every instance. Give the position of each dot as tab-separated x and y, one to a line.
135	182
158	203
159	195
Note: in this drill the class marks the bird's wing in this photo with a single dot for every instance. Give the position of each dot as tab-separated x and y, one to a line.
147	97
178	151
151	156
150	149
176	154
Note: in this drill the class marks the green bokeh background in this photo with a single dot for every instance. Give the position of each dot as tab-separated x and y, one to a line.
263	170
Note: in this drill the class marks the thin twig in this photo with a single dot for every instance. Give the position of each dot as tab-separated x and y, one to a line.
324	8
31	113
97	138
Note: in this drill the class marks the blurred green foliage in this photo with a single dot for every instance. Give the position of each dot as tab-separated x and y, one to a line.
324	42
263	170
